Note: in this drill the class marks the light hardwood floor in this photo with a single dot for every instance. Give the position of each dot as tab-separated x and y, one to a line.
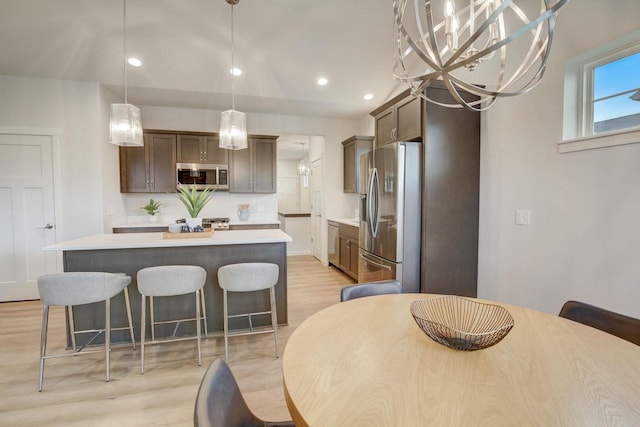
75	392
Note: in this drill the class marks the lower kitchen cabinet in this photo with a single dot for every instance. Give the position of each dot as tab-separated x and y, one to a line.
344	247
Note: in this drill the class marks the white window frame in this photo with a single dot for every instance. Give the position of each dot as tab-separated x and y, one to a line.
578	98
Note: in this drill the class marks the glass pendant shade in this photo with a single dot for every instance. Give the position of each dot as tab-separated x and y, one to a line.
125	128
303	169
233	130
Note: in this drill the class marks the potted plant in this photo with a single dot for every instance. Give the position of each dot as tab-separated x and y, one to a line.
194	201
152	208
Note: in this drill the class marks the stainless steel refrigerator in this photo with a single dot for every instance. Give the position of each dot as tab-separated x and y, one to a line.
390	204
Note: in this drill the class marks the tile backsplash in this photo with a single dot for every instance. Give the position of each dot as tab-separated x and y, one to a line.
262	207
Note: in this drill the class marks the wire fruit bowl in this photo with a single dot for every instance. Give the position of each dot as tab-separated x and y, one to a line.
461	323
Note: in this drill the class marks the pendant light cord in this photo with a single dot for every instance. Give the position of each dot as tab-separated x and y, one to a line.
124	47
233	102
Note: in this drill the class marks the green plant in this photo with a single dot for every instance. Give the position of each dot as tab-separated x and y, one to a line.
152	207
193	199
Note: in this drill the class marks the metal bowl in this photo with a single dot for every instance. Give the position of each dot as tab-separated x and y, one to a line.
462	323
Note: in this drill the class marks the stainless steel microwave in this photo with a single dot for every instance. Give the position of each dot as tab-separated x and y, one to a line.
203	175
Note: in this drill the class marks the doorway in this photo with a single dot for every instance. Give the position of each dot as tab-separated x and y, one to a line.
27	213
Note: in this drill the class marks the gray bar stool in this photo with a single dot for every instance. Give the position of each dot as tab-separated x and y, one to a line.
170	280
69	289
249	277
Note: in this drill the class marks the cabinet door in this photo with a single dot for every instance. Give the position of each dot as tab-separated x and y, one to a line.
212	151
264	158
349	168
353	258
345	253
385	125
134	173
240	171
190	148
408	119
162	163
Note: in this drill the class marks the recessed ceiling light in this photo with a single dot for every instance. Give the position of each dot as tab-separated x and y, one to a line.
322	81
134	62
368	96
235	71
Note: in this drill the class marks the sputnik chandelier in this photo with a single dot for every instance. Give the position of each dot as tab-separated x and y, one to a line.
489	48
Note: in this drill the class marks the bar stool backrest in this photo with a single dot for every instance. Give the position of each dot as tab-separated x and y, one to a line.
169	280
247	277
77	288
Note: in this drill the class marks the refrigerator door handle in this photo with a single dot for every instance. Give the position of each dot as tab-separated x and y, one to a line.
369	200
375	196
377	264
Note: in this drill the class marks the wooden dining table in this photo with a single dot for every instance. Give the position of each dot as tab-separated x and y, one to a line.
365	362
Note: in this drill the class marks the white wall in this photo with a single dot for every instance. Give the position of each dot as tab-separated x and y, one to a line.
583	240
73	110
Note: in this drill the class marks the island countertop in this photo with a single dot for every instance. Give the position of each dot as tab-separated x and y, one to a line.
155	240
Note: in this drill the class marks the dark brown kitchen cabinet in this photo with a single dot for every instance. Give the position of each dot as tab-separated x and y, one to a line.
353	148
399	119
253	170
200	149
149	169
348	249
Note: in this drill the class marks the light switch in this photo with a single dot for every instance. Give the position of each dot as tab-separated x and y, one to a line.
523	217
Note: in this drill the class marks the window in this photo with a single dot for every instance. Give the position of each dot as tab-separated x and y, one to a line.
602	96
613	93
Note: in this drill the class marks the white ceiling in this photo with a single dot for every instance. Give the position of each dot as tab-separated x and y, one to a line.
283	46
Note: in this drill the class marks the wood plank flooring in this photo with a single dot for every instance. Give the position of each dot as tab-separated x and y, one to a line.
75	392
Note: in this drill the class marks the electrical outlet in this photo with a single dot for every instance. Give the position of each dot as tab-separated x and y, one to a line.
523	217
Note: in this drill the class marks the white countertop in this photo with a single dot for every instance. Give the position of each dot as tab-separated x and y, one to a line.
166	224
348	221
155	240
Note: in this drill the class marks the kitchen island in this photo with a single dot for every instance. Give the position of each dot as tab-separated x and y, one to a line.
128	253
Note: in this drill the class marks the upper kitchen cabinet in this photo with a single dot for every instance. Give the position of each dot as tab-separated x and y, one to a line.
253	170
353	148
399	119
198	148
149	169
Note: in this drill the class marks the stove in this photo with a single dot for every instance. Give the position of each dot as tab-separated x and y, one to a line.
216	223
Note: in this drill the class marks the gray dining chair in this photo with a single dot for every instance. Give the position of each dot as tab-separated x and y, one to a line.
625	327
219	402
77	288
166	281
249	277
370	289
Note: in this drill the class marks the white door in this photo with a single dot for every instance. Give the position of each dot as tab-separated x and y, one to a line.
316	209
26	214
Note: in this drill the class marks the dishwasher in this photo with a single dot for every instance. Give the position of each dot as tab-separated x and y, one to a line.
332	243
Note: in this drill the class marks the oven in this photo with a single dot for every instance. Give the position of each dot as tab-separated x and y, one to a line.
203	175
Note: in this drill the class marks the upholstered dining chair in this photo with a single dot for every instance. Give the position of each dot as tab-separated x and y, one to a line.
219	402
370	289
625	327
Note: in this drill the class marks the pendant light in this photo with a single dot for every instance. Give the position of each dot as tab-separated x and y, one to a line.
125	128
233	124
303	169
449	39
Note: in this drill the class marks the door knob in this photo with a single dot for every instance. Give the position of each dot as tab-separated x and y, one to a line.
46	227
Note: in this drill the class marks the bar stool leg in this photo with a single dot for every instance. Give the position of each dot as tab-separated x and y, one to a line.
128	307
43	342
107	335
72	330
153	320
143	329
204	313
198	327
226	325
274	318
